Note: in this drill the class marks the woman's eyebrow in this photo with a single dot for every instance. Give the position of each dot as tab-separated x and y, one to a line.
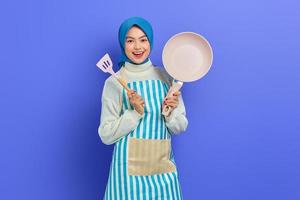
134	38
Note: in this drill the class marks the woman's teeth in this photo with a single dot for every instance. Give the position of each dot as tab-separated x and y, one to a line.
138	54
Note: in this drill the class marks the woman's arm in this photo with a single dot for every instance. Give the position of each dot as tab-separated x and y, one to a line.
177	121
114	125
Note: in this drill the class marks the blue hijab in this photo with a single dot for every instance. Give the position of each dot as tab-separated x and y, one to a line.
144	25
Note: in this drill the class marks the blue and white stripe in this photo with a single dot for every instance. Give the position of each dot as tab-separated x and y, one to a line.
120	185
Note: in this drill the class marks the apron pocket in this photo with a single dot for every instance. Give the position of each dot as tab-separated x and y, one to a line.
149	157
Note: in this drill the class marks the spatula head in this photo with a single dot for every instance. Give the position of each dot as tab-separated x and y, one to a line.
105	64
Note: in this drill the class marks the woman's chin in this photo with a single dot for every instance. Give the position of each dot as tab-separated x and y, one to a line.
138	61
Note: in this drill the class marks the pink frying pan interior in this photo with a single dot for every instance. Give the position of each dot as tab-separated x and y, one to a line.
187	56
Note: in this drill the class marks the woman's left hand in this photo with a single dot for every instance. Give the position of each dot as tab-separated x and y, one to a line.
172	101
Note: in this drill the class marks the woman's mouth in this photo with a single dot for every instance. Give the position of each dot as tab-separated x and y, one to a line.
138	54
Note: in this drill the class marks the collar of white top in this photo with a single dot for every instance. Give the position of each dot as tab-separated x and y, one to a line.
138	67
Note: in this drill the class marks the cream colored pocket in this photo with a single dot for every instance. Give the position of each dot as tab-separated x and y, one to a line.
149	157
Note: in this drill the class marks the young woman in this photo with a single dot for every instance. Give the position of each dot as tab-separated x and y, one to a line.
143	165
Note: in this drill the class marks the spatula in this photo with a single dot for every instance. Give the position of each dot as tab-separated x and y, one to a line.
106	65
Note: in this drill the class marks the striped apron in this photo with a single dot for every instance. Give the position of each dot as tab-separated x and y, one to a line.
124	186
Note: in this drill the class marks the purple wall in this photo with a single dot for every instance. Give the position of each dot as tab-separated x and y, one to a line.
242	142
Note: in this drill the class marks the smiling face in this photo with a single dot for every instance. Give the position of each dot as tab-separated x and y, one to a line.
137	46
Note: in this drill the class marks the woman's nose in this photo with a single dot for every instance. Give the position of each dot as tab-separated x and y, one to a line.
137	45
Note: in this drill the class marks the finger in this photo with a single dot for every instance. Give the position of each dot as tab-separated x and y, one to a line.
172	105
130	95
132	92
129	91
140	106
137	99
177	93
140	99
141	102
166	97
137	95
172	99
166	100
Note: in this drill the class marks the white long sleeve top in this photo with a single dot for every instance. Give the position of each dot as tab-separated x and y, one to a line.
114	125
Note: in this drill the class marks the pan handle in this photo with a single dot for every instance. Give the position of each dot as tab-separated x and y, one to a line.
176	85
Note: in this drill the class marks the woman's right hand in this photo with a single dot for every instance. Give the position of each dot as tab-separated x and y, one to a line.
136	101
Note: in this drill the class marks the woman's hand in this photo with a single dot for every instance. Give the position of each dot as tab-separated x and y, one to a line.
172	101
136	101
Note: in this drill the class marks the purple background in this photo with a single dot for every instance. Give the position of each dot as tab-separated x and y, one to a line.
243	138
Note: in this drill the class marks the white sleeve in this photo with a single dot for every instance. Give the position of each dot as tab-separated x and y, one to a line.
177	121
114	125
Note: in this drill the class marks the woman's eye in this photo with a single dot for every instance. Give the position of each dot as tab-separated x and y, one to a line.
129	41
144	40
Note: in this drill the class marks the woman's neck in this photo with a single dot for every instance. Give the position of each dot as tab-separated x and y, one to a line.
138	67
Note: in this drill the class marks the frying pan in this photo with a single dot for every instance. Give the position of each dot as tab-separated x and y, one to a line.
187	57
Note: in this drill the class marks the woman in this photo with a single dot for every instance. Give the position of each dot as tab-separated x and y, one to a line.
143	166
